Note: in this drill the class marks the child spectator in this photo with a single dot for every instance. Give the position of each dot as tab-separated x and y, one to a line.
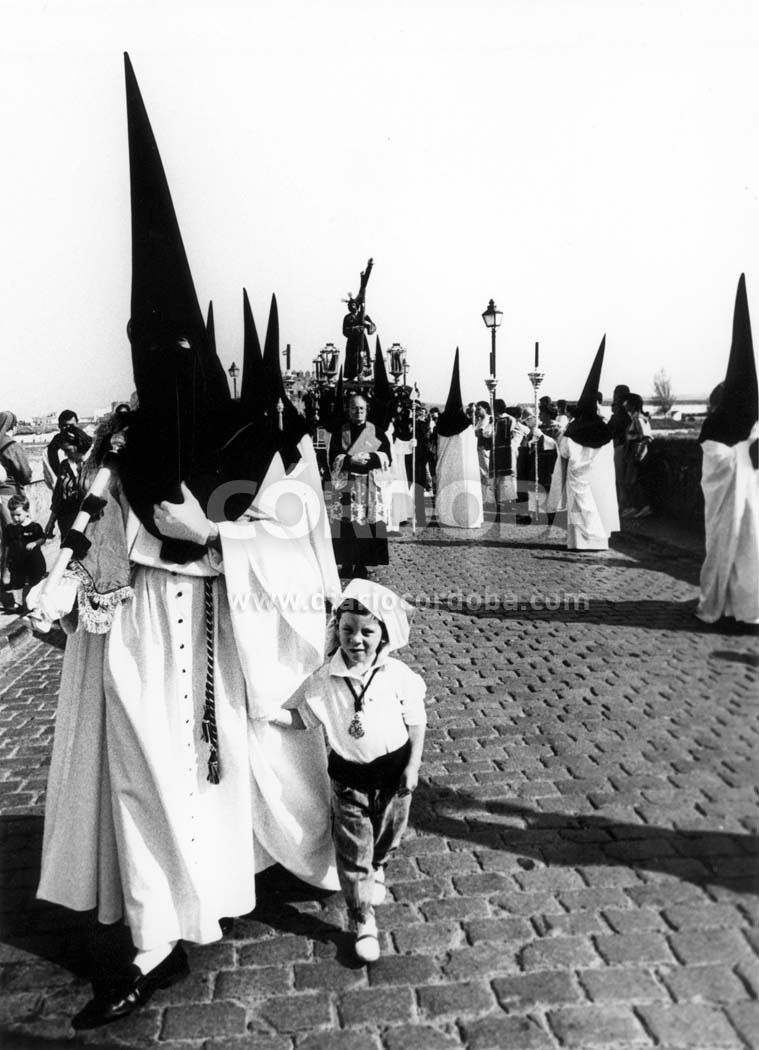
24	561
371	707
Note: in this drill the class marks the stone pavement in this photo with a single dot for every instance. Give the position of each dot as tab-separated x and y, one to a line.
580	867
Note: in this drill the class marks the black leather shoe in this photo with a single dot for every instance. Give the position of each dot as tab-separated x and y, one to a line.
132	991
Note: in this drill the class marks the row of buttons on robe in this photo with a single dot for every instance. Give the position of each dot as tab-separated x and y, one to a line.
183	653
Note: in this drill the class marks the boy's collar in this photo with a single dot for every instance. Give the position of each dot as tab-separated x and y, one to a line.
339	668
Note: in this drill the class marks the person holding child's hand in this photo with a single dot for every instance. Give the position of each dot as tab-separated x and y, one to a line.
371	707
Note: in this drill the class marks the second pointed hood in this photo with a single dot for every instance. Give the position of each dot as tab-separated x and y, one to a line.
587	427
381	409
289	425
737	410
453	419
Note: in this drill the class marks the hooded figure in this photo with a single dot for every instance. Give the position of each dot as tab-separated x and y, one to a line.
584	481
169	787
730	483
458	499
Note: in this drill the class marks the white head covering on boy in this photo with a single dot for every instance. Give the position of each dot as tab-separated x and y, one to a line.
385	605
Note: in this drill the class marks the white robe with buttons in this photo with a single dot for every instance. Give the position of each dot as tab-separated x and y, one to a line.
130	814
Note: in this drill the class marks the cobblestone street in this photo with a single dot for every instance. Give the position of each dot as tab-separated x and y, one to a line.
580	869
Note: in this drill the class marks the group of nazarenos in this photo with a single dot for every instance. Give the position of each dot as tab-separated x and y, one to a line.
201	737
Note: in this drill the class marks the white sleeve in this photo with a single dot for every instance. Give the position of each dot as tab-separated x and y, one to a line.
412	693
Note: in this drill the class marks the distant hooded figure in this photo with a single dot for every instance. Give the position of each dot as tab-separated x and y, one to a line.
458	498
730	483
583	481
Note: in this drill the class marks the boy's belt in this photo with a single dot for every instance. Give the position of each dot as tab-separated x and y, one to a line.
384	772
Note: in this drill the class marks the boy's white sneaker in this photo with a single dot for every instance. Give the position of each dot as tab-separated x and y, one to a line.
379	891
367	944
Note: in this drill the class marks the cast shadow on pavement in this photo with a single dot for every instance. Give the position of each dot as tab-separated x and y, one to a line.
656	615
278	892
642	552
713	858
93	952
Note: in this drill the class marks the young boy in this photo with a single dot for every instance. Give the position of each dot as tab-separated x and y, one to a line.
371	707
25	562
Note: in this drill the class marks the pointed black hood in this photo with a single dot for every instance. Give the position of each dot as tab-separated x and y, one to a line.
332	409
381	410
289	425
588	428
453	419
738	409
185	426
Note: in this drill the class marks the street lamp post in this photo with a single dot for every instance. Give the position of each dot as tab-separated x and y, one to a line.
492	318
234	372
536	378
398	364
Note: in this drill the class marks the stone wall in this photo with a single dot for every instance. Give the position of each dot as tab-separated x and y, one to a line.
673	479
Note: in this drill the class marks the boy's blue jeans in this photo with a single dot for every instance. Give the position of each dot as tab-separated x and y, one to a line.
367	827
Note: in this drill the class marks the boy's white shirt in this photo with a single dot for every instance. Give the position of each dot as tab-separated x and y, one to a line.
393	701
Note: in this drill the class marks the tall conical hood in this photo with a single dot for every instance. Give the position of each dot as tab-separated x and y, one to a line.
184	429
211	329
588	428
165	314
587	404
381	411
738	409
333	415
453	419
254	386
289	425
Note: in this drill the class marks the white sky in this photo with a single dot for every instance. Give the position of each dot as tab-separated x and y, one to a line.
592	165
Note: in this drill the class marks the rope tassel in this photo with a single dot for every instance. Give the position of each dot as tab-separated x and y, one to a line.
208	729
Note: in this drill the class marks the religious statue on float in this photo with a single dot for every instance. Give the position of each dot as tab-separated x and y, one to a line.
357	325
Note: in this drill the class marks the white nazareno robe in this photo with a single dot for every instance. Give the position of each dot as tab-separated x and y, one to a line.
397	491
458	498
588	492
730	573
130	813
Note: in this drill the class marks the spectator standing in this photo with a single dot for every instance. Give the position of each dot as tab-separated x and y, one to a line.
483	431
24	561
637	441
618	424
54	454
15	471
67	493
